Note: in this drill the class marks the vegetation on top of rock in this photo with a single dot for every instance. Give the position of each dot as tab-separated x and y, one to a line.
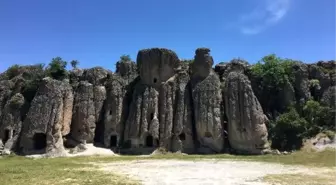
274	72
125	58
187	60
57	69
285	89
74	63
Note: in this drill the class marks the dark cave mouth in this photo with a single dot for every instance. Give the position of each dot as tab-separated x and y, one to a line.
113	141
40	141
6	136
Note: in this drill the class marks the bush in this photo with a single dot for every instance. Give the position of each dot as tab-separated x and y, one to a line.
57	69
74	63
288	131
12	71
319	117
125	58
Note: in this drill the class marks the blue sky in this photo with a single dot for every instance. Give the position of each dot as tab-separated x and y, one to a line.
97	32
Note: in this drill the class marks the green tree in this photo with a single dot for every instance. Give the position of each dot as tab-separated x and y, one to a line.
288	131
125	58
272	74
57	68
74	63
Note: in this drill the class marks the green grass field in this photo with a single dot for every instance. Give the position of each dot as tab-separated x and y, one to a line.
16	170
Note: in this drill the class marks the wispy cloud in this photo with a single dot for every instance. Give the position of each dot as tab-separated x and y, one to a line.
267	13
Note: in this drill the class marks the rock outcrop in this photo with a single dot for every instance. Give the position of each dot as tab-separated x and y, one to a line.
246	121
207	97
11	122
119	95
158	102
48	119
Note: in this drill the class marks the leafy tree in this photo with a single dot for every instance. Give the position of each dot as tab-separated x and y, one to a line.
57	68
288	131
125	58
272	74
319	117
74	63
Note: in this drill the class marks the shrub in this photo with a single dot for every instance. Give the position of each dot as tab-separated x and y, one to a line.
74	63
12	71
319	117
57	69
125	58
288	131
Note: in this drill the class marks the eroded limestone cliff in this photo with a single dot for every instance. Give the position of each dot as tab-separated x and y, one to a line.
158	101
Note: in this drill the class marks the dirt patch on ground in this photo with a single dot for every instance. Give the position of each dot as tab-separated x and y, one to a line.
205	172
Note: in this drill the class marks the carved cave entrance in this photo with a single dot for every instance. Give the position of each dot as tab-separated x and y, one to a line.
182	136
154	80
149	141
113	141
40	141
6	136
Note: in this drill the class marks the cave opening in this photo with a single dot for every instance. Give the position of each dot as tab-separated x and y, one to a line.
151	116
113	141
155	80
182	136
40	141
149	141
6	136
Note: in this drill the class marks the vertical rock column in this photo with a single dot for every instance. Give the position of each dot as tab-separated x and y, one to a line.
87	118
207	98
11	122
47	119
246	120
150	120
119	94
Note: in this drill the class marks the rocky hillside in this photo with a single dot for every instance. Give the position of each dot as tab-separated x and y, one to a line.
161	101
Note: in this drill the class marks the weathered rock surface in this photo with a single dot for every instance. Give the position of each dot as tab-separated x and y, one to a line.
246	121
11	122
207	97
160	111
87	111
329	97
48	118
301	84
158	101
118	98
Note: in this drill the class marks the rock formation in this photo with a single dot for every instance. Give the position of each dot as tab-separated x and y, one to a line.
48	119
157	102
246	120
207	97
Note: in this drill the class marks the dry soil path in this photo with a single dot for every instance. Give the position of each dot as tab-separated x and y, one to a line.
200	172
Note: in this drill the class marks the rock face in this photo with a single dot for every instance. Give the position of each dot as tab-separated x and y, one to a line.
207	97
11	122
152	100
48	119
119	95
160	113
246	120
157	102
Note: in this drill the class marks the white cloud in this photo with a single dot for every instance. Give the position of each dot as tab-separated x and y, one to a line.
268	13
